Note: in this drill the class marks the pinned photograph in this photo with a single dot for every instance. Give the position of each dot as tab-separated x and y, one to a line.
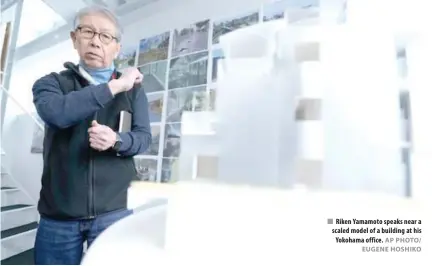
189	70
217	54
154	147
406	117
169	170
154	76
191	39
155	102
194	99
228	25
275	10
38	136
212	100
126	57
306	14
172	140
146	168
153	49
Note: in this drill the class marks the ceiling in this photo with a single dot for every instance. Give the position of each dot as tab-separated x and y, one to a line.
66	9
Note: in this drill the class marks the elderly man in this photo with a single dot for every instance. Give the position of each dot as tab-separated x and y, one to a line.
88	165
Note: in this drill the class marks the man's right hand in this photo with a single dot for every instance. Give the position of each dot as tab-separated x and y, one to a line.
130	76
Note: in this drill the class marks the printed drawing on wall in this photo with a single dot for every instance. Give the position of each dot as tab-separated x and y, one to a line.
217	54
154	76
188	70
146	168
154	147
172	140
274	10
155	103
169	170
153	49
192	99
191	39
225	26
126	58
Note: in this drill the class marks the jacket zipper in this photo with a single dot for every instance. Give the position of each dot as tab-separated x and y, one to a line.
91	175
91	207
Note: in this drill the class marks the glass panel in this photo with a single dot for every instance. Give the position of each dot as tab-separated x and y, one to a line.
31	26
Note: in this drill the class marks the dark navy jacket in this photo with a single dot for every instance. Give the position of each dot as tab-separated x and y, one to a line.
79	182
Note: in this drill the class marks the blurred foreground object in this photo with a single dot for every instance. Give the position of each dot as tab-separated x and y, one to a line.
213	224
296	106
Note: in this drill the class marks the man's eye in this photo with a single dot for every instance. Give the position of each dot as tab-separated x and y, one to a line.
106	36
88	31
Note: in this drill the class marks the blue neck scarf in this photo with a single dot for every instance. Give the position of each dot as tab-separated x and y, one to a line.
100	75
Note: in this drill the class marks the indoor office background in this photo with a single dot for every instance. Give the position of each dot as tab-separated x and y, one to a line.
174	44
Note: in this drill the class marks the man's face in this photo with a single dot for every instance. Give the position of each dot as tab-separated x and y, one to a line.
100	50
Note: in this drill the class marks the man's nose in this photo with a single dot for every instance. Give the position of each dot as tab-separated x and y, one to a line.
95	42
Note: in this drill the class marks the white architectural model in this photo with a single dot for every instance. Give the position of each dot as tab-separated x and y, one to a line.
315	105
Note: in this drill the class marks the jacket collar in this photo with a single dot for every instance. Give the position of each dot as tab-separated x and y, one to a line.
82	74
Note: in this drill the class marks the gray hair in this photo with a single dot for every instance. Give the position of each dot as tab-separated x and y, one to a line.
99	10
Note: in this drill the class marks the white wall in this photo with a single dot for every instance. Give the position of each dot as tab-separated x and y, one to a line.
18	128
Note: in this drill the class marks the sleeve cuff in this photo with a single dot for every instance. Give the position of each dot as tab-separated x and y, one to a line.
126	142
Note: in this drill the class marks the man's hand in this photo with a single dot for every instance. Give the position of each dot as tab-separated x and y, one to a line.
128	79
101	137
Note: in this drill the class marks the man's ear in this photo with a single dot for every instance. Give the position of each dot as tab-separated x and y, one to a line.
73	38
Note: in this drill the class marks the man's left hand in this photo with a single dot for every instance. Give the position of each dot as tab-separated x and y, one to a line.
101	137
